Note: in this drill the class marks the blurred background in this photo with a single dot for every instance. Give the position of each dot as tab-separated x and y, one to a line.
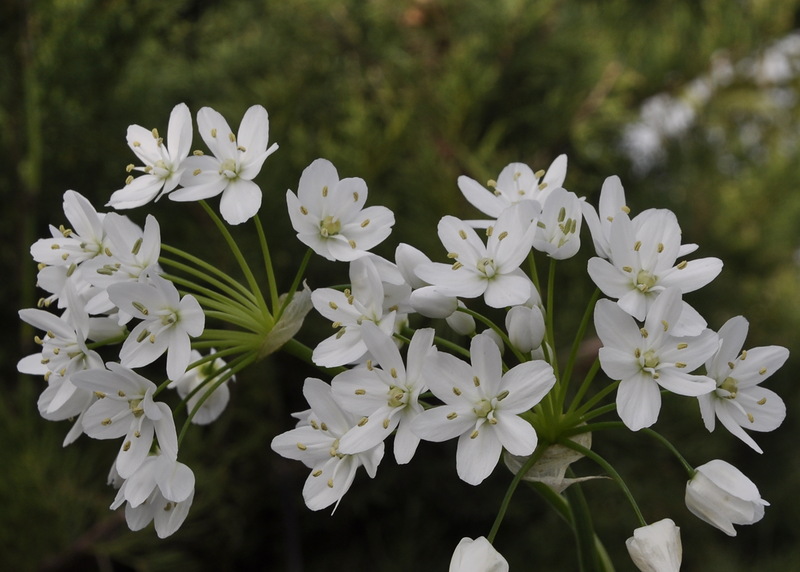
694	104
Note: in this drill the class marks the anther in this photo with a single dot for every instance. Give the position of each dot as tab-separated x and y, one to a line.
456	390
474	434
476	381
452	415
360	392
462	234
355	196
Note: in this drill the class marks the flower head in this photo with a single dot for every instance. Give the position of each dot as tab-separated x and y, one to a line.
738	401
329	215
721	495
644	359
482	407
477	556
656	547
235	161
163	164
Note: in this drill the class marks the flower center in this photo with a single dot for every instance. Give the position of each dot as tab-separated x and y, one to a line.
731	386
228	169
482	408
650	359
397	396
645	280
487	267
329	226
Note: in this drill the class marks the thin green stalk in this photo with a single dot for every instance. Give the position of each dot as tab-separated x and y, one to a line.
273	286
237	253
227	294
608	468
501	513
576	344
551	338
503	336
597	397
210	268
583	528
295	284
671	448
587	381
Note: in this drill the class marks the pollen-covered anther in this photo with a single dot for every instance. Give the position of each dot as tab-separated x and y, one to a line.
762	371
762	401
451	416
333	305
744	355
363	421
141	307
325	191
231	137
643	332
330	483
626	209
316	473
197	172
683	346
682	265
142	336
213	132
476	380
393	373
452	255
360	392
303	210
99	394
126	446
106	421
121	393
562	214
462	234
637	245
502	395
241	148
128	179
456	390
364	223
197	153
385	423
680	364
457	265
750	418
665	324
502	235
129	167
336	325
474	434
352	244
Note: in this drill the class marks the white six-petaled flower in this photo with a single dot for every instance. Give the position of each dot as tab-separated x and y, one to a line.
168	321
482	407
385	397
163	164
328	214
316	443
236	160
738	401
490	270
644	359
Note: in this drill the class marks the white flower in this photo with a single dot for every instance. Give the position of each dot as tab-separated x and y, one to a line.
738	401
644	359
348	310
203	378
477	556
517	182
642	263
722	496
559	226
482	407
163	164
168	322
316	444
125	407
525	326
235	162
329	214
490	270
656	547
160	490
385	397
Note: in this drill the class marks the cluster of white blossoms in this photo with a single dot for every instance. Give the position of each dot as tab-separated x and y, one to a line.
501	391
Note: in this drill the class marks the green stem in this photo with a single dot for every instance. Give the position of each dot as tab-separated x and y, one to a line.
551	286
583	529
503	336
671	448
608	468
537	454
237	253
587	381
210	268
576	344
295	284
273	286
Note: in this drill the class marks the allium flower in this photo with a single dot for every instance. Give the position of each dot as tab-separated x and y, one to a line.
477	556
656	547
482	407
348	310
517	182
125	407
490	270
644	359
559	227
385	397
168	322
204	377
642	263
235	162
163	164
160	490
738	401
721	495
329	214
316	444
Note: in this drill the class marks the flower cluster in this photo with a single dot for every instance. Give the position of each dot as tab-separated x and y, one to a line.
126	301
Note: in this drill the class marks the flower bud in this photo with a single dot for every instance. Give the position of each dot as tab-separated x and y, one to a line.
431	304
525	327
721	495
656	547
460	322
477	556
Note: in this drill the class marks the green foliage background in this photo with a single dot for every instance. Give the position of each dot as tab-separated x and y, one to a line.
407	95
